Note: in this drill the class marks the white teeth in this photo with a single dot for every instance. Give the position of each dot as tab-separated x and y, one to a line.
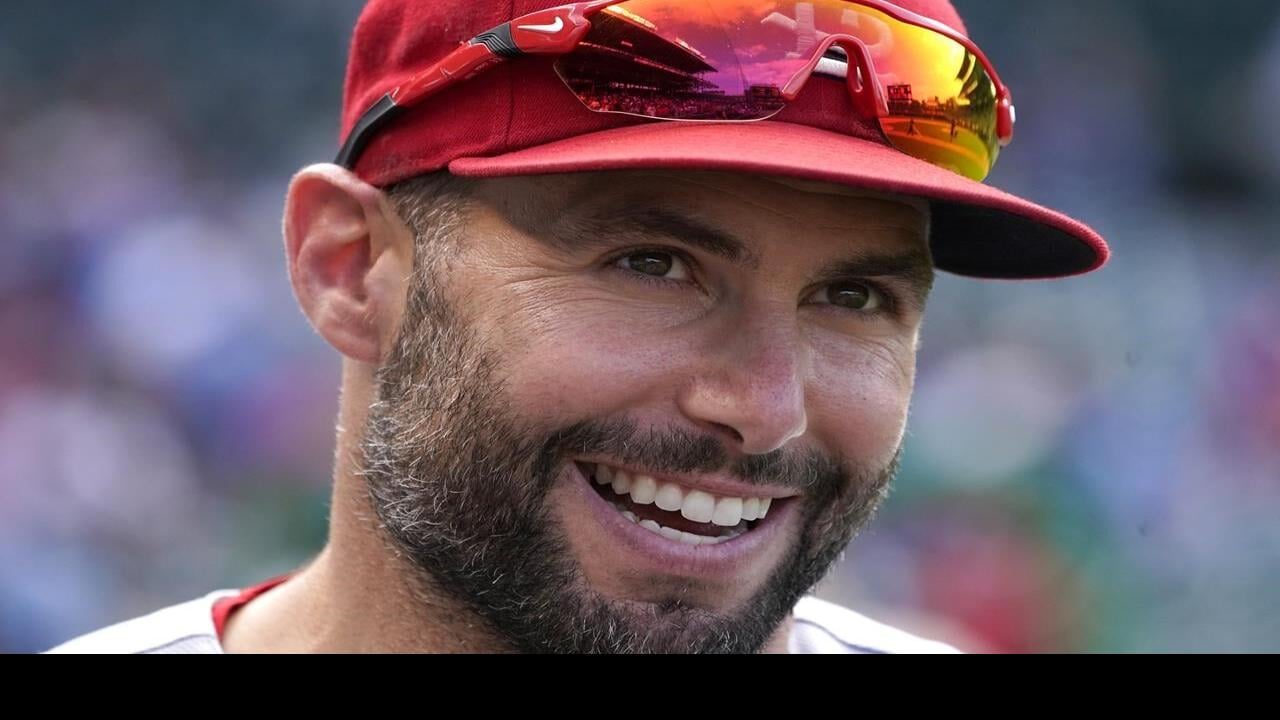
680	536
698	506
728	512
643	490
670	497
621	482
604	475
690	539
695	505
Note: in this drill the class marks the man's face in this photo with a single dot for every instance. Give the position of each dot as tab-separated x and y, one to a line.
646	411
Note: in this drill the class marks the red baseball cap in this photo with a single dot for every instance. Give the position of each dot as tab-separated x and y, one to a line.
519	118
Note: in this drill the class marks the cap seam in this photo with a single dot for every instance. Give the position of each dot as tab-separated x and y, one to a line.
511	92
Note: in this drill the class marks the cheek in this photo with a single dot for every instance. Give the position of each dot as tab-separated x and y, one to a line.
861	398
567	356
590	359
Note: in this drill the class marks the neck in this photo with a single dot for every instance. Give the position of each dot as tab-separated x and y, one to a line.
358	594
355	598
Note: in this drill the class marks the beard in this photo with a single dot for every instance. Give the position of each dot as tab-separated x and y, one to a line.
460	481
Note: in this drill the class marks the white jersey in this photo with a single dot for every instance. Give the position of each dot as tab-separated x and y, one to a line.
189	628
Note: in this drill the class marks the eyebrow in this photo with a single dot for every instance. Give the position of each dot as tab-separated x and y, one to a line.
606	225
911	267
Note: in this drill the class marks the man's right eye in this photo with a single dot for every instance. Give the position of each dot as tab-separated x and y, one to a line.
656	264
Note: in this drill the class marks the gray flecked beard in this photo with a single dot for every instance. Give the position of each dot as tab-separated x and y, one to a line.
460	480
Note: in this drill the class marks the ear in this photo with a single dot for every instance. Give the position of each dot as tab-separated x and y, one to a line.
349	258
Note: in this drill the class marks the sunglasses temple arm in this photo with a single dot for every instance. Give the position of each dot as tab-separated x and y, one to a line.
1006	118
470	58
375	117
552	31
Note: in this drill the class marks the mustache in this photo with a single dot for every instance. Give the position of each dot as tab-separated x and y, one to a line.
682	450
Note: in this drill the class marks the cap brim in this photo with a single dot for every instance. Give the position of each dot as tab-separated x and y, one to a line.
977	230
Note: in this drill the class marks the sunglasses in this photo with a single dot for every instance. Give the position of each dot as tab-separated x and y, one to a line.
934	94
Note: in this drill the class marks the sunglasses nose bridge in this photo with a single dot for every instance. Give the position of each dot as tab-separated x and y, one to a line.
868	97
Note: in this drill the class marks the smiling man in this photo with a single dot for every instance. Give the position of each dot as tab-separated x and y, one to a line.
614	383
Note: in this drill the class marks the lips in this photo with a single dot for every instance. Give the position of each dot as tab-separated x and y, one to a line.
675	511
673	528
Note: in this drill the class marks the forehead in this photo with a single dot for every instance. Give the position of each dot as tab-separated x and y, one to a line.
736	201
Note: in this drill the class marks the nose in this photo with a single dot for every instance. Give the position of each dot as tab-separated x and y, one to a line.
751	388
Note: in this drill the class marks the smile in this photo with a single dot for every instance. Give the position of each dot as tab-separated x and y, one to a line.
674	511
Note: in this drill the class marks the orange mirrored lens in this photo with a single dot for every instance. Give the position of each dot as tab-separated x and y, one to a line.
941	100
718	60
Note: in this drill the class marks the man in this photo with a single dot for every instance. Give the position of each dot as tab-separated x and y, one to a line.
629	380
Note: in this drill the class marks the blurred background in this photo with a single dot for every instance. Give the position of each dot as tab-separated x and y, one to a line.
1093	464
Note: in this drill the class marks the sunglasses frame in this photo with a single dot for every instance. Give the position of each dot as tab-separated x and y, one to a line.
558	30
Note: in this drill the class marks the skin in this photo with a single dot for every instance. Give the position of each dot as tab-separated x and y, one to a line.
772	315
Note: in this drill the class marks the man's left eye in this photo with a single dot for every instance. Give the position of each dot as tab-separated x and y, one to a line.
851	295
655	264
